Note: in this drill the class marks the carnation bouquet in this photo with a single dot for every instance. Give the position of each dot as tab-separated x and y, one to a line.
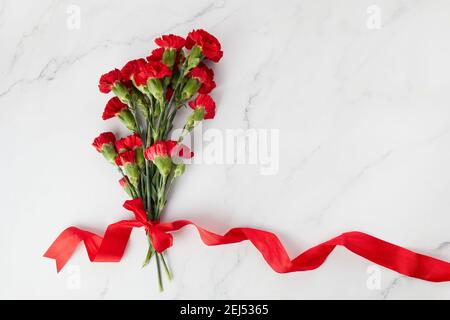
148	93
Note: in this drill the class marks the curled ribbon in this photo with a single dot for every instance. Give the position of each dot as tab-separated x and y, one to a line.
112	246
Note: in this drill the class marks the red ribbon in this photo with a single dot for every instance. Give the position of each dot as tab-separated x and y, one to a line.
111	247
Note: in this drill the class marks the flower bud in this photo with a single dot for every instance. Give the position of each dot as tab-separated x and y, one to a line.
123	182
127	160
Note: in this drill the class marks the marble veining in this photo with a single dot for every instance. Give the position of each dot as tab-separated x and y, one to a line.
359	93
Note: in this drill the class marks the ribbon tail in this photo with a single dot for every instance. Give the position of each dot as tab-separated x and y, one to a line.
383	253
109	248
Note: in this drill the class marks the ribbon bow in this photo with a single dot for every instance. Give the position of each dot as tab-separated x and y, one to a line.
112	246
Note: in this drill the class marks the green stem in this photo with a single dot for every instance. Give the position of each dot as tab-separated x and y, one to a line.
158	264
167	108
166	268
148	257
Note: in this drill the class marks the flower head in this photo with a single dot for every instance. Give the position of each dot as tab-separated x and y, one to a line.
156	55
151	70
131	67
162	152
131	142
127	157
105	138
206	104
169	148
170	41
104	144
108	80
205	76
113	108
123	182
209	45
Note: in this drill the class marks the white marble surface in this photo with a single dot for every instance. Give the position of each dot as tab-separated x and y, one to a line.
364	120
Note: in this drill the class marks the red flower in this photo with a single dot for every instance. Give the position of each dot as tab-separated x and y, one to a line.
113	107
170	41
210	46
151	70
157	55
108	80
126	157
179	150
131	67
169	93
158	149
167	148
104	138
129	143
207	103
205	76
123	182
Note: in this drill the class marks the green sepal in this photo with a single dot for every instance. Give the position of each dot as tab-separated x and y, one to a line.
190	88
140	160
179	170
109	152
132	172
169	57
155	88
164	165
198	114
138	100
127	119
194	58
121	92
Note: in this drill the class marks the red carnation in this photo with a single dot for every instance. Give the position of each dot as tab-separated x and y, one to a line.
103	138
205	76
130	142
131	67
151	70
108	80
167	148
156	55
210	46
178	150
123	182
126	157
170	41
113	107
203	101
158	149
169	93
